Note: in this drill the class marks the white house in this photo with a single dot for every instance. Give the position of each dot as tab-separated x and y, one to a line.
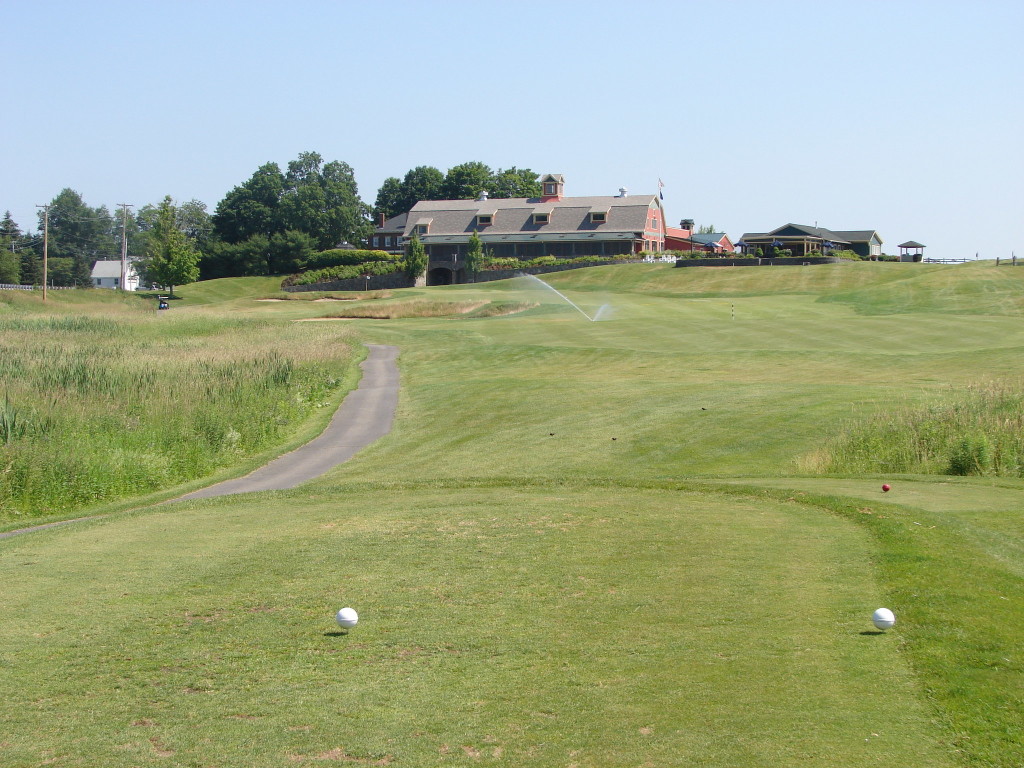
106	273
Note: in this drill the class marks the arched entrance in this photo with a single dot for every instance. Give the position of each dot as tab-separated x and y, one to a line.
445	276
439	276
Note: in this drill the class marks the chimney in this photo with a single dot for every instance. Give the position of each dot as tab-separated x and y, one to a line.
380	219
623	192
483	195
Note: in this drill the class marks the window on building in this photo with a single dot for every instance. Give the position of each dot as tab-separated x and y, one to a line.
387	242
550	188
421	229
484	220
598	217
540	218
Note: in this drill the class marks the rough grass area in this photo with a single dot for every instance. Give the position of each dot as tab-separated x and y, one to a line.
976	430
98	406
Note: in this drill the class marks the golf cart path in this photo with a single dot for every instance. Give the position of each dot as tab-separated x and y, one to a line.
365	416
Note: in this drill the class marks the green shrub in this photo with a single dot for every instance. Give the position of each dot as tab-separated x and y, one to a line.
971	455
341	258
346	272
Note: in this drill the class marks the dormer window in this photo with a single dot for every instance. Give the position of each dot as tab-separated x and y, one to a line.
598	217
540	218
550	188
421	229
485	220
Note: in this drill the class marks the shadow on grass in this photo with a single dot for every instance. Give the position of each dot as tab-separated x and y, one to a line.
870	632
335	634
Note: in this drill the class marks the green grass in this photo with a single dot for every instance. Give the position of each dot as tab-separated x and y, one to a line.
515	622
534	592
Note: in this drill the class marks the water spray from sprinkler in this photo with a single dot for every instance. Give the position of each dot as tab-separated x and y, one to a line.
597	316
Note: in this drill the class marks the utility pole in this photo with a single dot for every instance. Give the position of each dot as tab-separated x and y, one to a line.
46	242
124	244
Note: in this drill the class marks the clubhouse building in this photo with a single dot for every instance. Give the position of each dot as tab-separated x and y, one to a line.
527	228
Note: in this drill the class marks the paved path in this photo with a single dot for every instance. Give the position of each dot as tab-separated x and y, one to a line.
365	416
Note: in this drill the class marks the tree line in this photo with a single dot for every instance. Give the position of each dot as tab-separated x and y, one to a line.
269	224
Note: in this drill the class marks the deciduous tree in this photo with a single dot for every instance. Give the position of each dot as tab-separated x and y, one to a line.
515	182
81	234
462	182
251	208
415	258
316	198
474	256
389	198
466	181
10	264
421	183
172	258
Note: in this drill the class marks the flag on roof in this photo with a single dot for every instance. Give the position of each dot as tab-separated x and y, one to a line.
661	186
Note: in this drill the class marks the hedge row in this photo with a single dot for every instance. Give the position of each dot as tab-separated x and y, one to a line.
346	258
343	272
547	261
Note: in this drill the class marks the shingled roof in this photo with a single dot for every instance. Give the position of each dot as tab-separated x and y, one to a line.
837	236
514	216
706	238
107	268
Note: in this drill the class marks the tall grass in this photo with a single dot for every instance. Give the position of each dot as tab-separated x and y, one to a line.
100	408
976	430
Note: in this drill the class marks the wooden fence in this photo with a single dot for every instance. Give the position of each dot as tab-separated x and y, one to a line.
11	287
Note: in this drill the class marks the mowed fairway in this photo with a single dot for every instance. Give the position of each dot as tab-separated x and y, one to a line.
583	544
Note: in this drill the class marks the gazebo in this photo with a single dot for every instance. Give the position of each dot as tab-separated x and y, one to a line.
911	251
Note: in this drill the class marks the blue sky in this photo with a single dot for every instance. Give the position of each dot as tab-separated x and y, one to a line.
905	117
